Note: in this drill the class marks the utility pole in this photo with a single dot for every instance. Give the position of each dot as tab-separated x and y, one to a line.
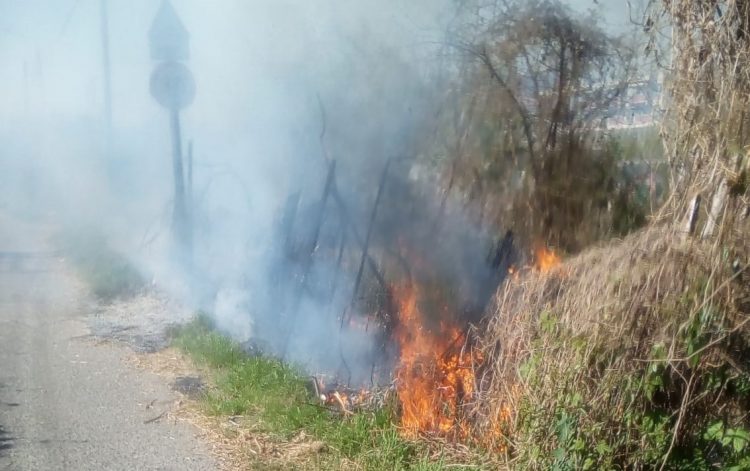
104	12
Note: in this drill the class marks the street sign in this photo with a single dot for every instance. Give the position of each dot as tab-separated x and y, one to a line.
173	86
168	37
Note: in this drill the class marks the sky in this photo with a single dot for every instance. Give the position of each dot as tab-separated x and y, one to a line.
49	42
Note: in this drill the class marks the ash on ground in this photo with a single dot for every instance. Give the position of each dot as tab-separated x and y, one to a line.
143	322
191	386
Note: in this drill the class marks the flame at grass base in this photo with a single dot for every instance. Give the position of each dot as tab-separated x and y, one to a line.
546	259
435	374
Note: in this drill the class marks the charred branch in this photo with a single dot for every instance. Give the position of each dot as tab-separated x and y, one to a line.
371	225
344	212
307	261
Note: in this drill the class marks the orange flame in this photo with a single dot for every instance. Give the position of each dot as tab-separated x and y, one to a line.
546	259
434	376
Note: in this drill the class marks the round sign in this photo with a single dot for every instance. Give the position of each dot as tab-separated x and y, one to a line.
173	85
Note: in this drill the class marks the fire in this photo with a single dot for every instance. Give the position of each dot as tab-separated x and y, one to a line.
345	401
546	259
435	376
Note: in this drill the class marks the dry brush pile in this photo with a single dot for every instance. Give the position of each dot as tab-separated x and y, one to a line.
631	355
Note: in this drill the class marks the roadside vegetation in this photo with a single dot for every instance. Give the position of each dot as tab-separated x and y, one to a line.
275	400
632	353
109	274
629	356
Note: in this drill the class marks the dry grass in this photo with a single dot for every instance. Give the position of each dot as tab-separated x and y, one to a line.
705	126
580	358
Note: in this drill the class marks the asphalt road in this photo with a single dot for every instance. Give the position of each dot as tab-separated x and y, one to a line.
66	401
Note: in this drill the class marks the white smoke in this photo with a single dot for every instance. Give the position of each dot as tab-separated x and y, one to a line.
231	314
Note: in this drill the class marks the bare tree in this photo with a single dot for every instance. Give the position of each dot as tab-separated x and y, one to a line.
548	82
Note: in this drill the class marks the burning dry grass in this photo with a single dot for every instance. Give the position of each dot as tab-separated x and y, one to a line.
434	376
262	408
621	357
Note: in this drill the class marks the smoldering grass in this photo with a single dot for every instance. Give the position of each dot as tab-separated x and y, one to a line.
275	397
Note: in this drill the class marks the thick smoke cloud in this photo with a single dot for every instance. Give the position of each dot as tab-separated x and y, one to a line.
271	75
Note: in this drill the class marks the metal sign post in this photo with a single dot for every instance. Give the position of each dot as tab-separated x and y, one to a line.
173	87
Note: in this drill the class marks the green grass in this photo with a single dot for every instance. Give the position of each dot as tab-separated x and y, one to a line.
109	275
275	396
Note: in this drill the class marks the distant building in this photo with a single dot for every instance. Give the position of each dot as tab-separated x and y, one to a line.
635	106
638	107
